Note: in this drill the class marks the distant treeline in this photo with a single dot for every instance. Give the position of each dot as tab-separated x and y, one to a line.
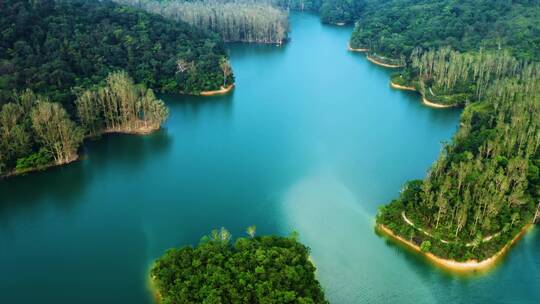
36	133
394	28
234	21
330	11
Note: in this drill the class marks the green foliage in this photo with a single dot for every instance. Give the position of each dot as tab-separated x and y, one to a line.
394	28
266	269
425	246
39	159
120	106
52	46
55	131
484	188
300	5
340	11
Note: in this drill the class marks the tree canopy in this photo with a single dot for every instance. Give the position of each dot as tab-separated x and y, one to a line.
56	47
267	269
484	188
394	28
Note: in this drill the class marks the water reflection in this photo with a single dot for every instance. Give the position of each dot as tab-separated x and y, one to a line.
126	150
193	106
24	193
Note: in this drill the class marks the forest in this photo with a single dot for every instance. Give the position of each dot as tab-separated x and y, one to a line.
394	28
253	269
58	47
339	12
485	187
234	21
450	77
36	133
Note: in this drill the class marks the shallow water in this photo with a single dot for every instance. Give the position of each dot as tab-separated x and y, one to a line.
313	139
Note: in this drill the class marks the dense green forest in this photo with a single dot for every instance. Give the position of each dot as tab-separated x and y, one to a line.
267	269
36	133
485	187
59	79
330	11
234	21
394	28
58	47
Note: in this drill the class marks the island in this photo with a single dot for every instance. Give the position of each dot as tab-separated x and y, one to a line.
255	269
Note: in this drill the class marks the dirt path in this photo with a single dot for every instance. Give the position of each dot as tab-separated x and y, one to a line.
410	223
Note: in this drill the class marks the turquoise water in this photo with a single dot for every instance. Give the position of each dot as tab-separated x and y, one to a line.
313	139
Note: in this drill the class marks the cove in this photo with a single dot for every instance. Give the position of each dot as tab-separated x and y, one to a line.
312	139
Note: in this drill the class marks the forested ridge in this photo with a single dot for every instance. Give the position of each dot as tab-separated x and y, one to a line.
394	28
267	269
485	187
56	47
233	20
330	11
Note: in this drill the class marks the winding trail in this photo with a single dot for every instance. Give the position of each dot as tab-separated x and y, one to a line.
410	223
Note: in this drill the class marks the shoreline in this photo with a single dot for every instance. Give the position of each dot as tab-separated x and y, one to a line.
138	131
425	101
453	265
400	87
428	103
221	91
386	65
151	284
38	169
361	50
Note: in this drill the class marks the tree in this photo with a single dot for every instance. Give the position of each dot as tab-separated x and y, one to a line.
425	246
226	68
15	140
55	131
251	230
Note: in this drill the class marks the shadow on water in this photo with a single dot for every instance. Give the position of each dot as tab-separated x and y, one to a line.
126	150
23	192
29	191
193	106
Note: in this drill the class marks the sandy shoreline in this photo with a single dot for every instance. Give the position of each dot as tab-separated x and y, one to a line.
452	265
151	284
425	101
435	105
356	50
387	65
400	87
223	90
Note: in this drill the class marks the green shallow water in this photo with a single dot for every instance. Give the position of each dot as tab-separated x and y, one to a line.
312	140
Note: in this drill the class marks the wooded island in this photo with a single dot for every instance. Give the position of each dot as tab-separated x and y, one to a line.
266	269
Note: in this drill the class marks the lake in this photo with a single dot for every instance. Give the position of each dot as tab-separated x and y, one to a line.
312	140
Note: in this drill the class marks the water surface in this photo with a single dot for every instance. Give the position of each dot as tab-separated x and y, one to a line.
312	140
